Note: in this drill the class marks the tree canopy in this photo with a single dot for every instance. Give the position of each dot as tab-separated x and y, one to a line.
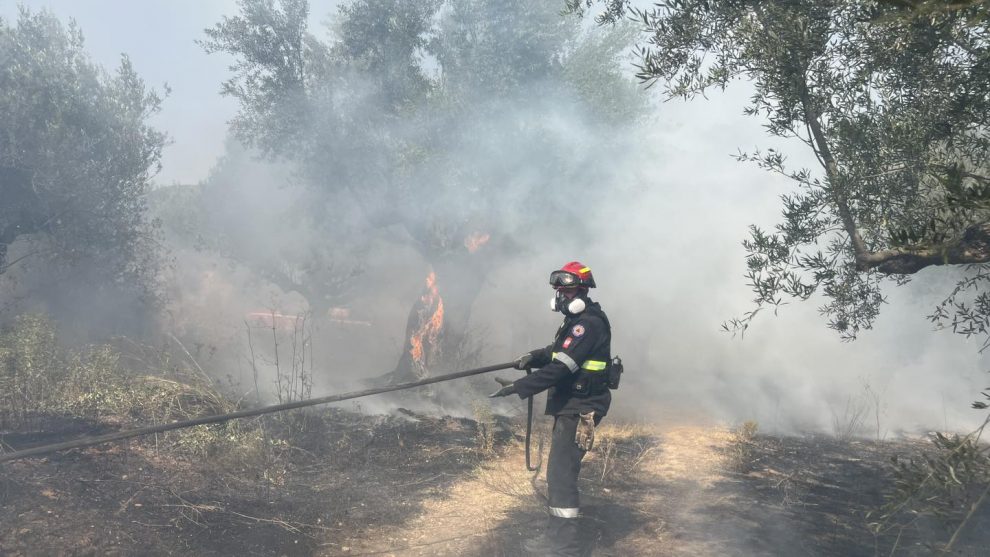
891	98
453	126
422	114
76	158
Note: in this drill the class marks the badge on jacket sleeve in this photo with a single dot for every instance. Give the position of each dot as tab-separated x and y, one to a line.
567	342
578	330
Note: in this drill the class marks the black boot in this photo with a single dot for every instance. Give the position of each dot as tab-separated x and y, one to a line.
561	539
541	545
568	538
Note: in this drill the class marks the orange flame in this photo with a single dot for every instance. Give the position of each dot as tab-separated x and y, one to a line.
427	336
476	240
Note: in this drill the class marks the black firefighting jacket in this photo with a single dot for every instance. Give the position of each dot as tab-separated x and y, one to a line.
573	368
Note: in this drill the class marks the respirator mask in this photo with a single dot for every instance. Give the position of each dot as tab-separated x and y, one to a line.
567	306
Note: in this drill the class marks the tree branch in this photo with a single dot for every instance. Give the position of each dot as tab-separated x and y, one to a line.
838	193
973	247
5	265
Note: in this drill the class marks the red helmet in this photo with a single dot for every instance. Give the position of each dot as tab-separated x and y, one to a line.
571	275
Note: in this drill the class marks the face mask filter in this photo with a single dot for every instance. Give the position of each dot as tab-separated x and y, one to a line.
568	307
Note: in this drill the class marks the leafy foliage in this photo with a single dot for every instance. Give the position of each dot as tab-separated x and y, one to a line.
29	367
892	103
948	482
368	117
76	158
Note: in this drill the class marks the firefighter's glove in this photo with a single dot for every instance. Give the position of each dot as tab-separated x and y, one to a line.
524	361
585	434
507	388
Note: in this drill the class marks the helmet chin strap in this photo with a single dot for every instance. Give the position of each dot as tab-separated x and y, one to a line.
567	307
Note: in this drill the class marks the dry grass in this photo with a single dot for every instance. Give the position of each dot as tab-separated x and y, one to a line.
125	386
485	428
620	449
30	369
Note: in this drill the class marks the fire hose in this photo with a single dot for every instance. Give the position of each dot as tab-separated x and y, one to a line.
529	427
161	428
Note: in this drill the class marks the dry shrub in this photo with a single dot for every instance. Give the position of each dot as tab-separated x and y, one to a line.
38	377
743	448
485	424
30	369
620	448
948	482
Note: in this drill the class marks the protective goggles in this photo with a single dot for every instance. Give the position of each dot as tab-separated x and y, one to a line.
563	279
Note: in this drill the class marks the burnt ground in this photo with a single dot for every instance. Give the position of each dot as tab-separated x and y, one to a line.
341	483
343	472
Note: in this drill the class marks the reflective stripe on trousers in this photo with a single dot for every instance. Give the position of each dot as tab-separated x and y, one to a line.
571	512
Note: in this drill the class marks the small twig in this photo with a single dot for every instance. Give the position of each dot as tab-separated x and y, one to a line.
423	481
127	503
193	360
254	365
278	369
274	521
972	510
6	267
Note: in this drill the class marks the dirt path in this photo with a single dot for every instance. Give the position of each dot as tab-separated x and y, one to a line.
646	492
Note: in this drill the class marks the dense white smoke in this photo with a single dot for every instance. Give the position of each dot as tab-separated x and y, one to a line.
662	237
667	256
669	264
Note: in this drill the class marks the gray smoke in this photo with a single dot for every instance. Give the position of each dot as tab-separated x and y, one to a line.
662	236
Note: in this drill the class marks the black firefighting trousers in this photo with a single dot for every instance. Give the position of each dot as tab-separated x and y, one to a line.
563	469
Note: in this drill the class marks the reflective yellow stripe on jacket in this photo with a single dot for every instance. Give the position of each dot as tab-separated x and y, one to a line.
589	365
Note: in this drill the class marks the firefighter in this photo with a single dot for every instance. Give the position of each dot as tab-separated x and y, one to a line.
573	370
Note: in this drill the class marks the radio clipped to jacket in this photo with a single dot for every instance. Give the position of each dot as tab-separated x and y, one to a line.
614	373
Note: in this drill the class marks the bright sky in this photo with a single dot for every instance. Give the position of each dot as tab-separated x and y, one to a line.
159	37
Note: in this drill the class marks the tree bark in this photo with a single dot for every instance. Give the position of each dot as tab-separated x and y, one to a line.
19	208
972	248
459	278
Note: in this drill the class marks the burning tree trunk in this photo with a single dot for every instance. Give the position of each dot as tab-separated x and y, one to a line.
424	333
435	330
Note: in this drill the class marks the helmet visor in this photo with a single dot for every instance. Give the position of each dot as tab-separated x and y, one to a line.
563	279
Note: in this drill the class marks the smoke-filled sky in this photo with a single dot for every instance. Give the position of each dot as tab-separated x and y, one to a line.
666	255
670	269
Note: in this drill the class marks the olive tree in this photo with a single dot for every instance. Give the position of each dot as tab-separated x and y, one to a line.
892	100
76	158
439	119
